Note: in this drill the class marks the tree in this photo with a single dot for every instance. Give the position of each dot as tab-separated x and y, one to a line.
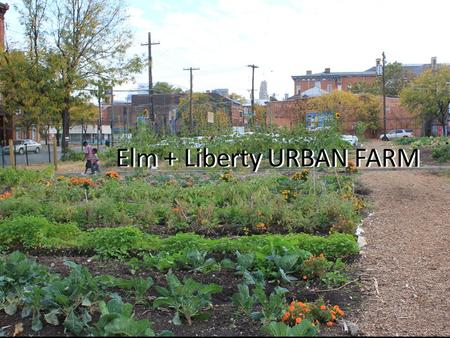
166	88
201	105
238	98
429	96
353	108
396	78
260	119
88	40
29	88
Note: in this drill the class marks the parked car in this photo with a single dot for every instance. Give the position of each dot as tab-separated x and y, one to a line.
397	133
21	145
352	139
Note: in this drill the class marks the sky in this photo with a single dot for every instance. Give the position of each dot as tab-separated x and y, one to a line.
282	37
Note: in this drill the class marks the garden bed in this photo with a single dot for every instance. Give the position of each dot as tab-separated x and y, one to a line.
253	245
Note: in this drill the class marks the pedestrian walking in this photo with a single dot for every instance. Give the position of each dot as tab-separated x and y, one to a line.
95	162
88	157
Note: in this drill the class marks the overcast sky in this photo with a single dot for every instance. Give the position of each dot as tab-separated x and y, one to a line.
282	37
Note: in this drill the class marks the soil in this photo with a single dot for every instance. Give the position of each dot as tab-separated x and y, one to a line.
406	263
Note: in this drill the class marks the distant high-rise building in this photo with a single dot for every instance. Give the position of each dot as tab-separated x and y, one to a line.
221	91
263	91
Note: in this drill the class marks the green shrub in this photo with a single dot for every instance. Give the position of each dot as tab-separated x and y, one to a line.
20	206
115	242
72	155
27	231
10	177
103	212
36	232
441	153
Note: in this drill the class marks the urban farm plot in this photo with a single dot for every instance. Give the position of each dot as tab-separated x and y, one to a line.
190	254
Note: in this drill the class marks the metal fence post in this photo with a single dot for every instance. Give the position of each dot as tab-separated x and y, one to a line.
26	153
55	154
49	153
3	155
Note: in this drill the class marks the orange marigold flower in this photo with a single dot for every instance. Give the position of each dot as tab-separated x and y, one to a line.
5	195
339	311
286	316
292	308
298	320
323	307
301	304
112	174
329	324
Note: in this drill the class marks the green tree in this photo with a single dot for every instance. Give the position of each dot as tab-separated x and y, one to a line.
201	105
396	78
89	40
351	107
29	88
429	96
238	98
166	88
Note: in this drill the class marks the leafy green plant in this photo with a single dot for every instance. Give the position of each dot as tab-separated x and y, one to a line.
197	261
286	265
304	329
188	298
441	153
117	320
115	242
139	285
271	306
243	300
35	232
244	262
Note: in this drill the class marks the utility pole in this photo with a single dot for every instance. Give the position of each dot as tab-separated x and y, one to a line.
252	98
149	44
383	79
191	119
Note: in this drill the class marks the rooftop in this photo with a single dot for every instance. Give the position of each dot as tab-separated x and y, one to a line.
333	75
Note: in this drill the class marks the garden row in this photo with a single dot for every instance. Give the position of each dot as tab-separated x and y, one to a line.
438	147
216	206
100	305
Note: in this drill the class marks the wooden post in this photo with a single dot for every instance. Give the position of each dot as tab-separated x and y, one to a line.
55	154
12	159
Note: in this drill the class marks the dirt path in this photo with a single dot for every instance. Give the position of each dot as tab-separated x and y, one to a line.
407	255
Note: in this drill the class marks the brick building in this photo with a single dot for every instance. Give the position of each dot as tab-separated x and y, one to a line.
165	107
293	111
330	81
122	119
232	108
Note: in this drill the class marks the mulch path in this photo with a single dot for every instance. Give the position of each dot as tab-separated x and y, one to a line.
406	263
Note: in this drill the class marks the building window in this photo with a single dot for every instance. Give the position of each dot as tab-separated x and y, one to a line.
328	87
317	84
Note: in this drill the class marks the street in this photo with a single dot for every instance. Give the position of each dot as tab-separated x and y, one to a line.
45	156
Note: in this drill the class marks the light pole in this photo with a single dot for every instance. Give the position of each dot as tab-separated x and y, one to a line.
380	67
